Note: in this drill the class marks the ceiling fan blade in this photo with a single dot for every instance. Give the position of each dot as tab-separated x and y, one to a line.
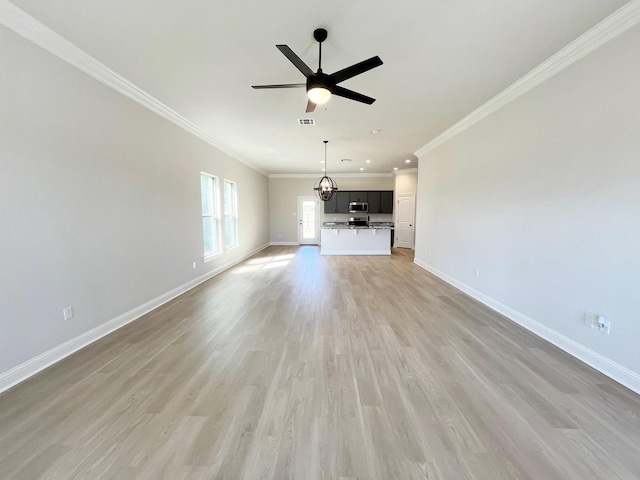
295	59
283	85
357	69
351	95
310	107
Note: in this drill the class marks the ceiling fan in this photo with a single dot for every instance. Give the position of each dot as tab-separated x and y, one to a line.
321	86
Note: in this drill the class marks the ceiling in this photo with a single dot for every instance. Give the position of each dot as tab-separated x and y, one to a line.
442	60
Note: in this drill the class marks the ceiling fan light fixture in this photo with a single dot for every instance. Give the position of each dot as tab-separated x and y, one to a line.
319	95
320	86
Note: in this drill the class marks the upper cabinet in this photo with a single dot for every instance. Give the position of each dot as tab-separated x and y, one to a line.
374	202
343	202
339	203
357	196
386	202
331	206
379	201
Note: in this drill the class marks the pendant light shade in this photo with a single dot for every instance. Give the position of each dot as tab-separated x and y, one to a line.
325	186
319	95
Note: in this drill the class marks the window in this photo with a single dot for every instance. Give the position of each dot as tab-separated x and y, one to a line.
230	214
210	214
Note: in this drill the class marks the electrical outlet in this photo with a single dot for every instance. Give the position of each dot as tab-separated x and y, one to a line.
194	264
67	312
604	325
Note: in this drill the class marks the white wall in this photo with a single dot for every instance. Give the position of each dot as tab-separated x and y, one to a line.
543	198
99	203
406	182
284	193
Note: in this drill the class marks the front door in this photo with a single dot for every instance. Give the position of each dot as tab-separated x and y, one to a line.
405	220
308	221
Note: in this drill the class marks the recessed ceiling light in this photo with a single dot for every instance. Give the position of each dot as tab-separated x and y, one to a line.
395	168
367	161
407	161
361	168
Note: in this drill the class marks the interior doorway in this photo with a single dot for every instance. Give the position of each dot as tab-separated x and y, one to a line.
405	220
308	221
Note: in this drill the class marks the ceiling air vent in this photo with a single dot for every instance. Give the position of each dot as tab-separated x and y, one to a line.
345	159
306	121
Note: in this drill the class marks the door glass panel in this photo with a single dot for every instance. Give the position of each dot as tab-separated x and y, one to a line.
308	219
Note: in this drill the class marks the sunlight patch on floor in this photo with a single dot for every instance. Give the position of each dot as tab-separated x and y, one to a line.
276	261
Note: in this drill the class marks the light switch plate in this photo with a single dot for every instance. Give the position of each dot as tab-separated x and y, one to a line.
590	319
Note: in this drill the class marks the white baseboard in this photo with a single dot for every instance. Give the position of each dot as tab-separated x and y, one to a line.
29	368
284	243
611	369
356	252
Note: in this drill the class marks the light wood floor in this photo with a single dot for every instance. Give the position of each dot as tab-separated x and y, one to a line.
294	365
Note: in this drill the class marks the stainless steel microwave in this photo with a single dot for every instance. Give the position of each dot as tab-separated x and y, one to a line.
358	207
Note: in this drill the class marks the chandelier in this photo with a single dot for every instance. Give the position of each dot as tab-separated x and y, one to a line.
325	187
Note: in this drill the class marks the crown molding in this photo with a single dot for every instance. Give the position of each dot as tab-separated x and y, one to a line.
295	175
612	26
405	171
336	175
31	29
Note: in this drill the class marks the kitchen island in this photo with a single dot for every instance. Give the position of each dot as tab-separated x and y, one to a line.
342	239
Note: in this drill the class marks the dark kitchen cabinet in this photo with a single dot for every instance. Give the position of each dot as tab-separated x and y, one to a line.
380	202
374	202
339	203
386	202
358	196
342	202
331	206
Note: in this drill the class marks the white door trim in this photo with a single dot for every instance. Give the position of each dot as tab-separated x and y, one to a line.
405	229
316	239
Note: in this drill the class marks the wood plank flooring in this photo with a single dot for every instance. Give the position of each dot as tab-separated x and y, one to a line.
294	365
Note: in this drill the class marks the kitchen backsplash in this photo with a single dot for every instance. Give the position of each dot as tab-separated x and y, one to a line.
344	217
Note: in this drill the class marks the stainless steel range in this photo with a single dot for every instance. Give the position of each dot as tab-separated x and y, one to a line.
357	222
